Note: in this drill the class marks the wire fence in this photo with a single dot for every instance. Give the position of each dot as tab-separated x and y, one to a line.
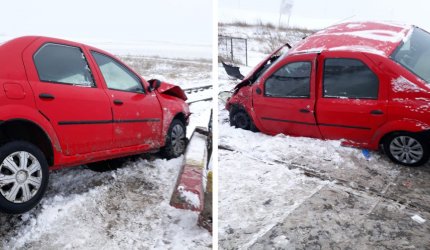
233	49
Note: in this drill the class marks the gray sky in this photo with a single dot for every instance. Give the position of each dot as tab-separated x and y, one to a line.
184	21
319	14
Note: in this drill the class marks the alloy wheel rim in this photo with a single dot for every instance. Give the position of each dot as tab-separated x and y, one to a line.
20	177
406	149
178	139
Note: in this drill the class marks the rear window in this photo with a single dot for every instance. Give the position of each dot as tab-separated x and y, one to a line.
349	78
63	64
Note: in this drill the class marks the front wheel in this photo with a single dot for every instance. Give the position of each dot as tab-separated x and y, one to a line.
23	176
240	119
176	140
407	149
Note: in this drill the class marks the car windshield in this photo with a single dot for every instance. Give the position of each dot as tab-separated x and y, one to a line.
414	54
277	57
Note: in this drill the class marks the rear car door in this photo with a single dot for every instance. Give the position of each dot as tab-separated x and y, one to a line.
352	103
67	95
284	97
137	113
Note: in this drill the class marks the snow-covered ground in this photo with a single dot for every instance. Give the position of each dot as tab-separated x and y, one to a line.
282	192
126	208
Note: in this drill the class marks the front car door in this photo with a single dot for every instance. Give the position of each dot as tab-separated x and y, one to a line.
284	97
352	103
67	95
137	113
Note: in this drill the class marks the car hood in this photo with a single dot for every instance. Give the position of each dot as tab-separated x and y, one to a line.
249	78
172	90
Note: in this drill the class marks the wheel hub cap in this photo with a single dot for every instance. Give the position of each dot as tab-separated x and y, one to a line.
406	149
178	139
20	177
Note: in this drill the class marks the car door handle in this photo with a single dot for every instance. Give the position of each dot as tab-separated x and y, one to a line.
304	110
46	96
376	112
117	102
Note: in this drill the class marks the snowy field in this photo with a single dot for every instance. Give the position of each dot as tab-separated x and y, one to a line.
282	192
123	209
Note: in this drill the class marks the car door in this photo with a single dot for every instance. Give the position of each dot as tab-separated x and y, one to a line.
137	113
67	95
284	97
352	103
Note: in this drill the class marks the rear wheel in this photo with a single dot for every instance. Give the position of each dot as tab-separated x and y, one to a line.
23	176
407	149
176	140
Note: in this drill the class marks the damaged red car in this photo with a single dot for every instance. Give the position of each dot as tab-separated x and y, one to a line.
67	104
366	83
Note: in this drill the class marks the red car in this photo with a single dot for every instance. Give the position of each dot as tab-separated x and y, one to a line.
366	83
66	104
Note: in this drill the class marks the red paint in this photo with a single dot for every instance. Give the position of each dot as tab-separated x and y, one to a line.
173	90
75	144
190	179
339	118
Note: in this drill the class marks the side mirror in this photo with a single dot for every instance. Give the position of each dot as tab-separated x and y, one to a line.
154	84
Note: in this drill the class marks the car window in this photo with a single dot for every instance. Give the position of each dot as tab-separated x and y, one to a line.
349	78
292	80
116	76
63	64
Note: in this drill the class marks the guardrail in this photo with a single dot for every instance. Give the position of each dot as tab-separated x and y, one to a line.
196	90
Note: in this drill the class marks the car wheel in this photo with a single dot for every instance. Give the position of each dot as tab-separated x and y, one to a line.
176	140
23	177
240	119
407	149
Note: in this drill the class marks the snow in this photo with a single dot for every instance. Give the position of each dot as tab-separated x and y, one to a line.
358	48
196	150
126	208
189	197
418	219
402	84
379	35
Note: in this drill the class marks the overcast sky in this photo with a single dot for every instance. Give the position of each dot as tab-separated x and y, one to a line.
319	14
184	21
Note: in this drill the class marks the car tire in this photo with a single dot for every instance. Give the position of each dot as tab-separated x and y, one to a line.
407	149
240	119
24	176
176	140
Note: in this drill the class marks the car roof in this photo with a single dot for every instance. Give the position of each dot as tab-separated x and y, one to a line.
29	39
380	38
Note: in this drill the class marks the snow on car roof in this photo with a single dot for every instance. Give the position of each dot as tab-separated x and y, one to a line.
372	37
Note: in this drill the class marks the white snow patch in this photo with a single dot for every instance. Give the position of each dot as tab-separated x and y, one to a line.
418	219
402	84
189	197
358	48
378	35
